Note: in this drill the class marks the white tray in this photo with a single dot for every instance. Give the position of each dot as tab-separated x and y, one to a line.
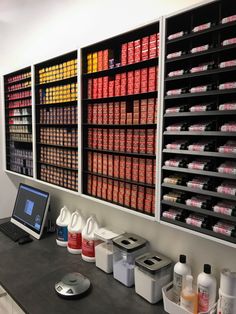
173	308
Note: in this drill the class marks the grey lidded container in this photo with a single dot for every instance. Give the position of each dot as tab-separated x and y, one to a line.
129	242
152	262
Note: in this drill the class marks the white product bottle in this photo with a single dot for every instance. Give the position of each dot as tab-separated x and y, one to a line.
188	298
89	239
206	286
181	270
62	223
75	228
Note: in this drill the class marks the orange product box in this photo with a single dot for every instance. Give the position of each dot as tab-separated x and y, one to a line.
151	110
117	112
124	50
116	166
105	113
115	191
105	86
149	171
128	168
129	140
121	193
130	83
104	188
154	171
136	106
116	139
105	139
142	170
122	167
90	161
95	88
110	190
100	87
111	88
111	139
134	195
150	142
153	204
90	113
129	118
107	54
123	118
110	165
105	164
99	187
147	206
89	185
95	162
100	60
110	113
142	141
99	169
135	169
90	88
94	185
140	199
100	109
123	107
122	140
117	84
95	114
95	138
99	132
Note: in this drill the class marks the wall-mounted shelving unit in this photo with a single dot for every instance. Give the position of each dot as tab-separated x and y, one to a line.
56	87
18	122
199	114
119	86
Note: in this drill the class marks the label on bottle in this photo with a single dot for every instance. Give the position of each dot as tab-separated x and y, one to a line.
187	304
62	233
203	299
177	287
88	248
74	241
226	305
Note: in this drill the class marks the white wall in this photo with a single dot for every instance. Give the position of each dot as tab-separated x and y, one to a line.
32	31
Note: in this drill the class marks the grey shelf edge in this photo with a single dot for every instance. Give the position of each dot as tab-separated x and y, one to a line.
204	133
199	210
201	113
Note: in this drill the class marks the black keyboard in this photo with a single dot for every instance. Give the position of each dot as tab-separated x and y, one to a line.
12	231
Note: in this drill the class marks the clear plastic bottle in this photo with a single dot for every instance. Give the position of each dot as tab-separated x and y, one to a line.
206	286
188	298
181	270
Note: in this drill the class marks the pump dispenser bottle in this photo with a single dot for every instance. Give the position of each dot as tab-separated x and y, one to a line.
188	298
181	270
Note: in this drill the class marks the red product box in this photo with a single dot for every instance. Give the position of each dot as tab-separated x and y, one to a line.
140	199
129	118
130	85
104	188
116	166
154	171
111	88
90	88
143	111
124	51
105	139
117	113
95	162
144	80
105	164
142	141
105	86
89	185
110	190
116	139
137	81
95	114
150	142
123	84
135	169
147	206
136	108
111	140
90	161
155	114
145	48
122	167
136	141
149	171
94	186
100	87
95	138
123	107
99	163
99	141
137	50
128	168
106	56
130	58
99	113
90	138
115	191
153	204
117	84
127	194
129	140
110	113
134	196
142	170
123	118
100	60
95	88
152	79
90	113
121	193
122	140
105	113
99	187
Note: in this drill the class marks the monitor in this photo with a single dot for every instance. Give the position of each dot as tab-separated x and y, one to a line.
30	210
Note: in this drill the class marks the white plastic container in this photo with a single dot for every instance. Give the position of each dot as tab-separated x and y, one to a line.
127	247
227	292
181	270
206	287
89	239
172	308
104	250
62	223
226	304
152	271
75	228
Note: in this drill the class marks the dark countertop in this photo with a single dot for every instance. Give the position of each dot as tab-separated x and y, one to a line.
28	273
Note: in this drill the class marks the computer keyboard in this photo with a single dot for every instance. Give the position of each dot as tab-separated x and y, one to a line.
12	231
